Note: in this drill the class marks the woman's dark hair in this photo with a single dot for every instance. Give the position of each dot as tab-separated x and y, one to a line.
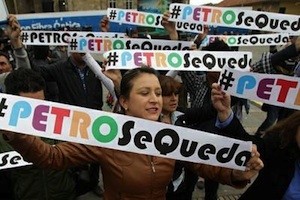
217	45
169	85
128	78
24	80
287	128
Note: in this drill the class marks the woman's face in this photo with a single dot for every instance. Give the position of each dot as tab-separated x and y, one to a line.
298	137
145	100
170	103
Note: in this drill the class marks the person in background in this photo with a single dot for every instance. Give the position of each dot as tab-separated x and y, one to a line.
140	96
31	182
279	148
41	58
13	31
272	64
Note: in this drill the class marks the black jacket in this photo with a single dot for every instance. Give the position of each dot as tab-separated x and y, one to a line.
279	165
71	90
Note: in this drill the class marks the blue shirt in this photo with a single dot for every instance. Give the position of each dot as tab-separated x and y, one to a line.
293	191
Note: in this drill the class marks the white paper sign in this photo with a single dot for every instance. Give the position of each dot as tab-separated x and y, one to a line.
104	129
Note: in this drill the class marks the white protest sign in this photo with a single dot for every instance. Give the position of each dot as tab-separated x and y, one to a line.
61	38
109	130
101	45
249	40
278	90
178	60
236	18
3	12
149	20
12	159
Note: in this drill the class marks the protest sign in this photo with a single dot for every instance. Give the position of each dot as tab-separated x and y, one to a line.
178	60
61	38
3	12
149	20
109	130
236	18
101	45
12	159
249	40
274	89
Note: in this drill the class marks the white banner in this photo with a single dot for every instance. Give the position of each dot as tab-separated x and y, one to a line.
101	45
278	90
236	18
109	130
178	60
149	20
12	159
249	40
61	38
3	12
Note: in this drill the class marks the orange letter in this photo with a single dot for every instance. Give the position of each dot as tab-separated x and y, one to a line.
160	60
80	124
216	15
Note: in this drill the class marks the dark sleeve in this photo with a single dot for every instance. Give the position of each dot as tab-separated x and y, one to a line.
284	54
236	130
197	115
50	71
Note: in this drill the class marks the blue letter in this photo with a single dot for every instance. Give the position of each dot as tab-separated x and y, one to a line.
245	82
20	109
126	56
186	11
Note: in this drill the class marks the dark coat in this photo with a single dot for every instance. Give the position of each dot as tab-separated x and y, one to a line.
274	179
71	90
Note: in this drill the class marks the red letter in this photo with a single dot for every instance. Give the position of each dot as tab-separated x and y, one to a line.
60	114
206	11
285	87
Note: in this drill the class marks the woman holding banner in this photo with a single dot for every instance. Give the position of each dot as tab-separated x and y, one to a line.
129	175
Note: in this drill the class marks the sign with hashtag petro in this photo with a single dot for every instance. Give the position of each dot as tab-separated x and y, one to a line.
274	89
178	60
235	18
120	132
101	45
149	20
61	38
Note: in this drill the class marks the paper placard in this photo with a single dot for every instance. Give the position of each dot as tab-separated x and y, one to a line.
109	130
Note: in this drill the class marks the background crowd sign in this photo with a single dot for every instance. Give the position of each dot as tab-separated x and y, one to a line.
278	90
72	20
3	12
178	60
115	131
153	20
62	38
101	45
12	159
238	18
249	40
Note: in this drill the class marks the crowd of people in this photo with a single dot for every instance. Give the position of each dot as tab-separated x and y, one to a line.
66	170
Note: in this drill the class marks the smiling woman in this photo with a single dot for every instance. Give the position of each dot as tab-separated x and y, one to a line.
140	96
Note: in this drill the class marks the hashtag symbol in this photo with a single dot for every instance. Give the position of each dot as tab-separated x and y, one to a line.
112	58
73	44
112	14
24	37
226	80
175	12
